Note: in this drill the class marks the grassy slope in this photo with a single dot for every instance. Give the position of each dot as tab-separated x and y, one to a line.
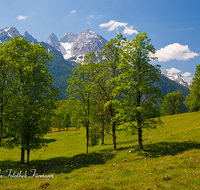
171	160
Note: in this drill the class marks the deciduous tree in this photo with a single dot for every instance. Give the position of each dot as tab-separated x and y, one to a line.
173	104
193	99
136	85
80	89
34	96
108	70
7	85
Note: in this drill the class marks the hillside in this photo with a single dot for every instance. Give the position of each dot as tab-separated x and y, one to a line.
59	68
171	160
167	86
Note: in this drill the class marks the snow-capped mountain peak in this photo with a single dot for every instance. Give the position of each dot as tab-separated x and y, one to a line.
76	46
176	77
11	32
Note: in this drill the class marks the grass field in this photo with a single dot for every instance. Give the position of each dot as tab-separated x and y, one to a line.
171	160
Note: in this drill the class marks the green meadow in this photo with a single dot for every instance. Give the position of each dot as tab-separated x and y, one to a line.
171	160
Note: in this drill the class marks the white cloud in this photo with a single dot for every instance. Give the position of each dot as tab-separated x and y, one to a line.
112	25
173	70
129	30
186	74
87	22
20	17
74	11
175	51
94	15
91	16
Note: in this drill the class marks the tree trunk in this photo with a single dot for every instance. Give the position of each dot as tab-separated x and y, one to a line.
140	139
22	156
114	136
87	138
1	136
28	149
28	156
102	135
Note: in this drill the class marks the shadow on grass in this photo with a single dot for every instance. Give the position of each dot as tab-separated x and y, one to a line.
66	165
168	148
47	140
58	165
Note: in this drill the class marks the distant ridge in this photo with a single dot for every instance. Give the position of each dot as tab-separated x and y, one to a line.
71	49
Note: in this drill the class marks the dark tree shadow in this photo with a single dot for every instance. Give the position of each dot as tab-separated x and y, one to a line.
66	165
47	140
168	148
58	165
161	149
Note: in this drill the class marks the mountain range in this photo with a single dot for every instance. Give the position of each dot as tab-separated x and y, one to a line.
71	48
75	46
176	77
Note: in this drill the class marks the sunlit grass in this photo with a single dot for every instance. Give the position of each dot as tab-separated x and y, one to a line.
171	160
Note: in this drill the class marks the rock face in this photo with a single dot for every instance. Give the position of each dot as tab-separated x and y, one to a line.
7	33
76	46
176	77
68	37
30	37
53	41
11	32
86	42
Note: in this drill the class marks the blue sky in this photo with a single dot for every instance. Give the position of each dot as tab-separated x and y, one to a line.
172	26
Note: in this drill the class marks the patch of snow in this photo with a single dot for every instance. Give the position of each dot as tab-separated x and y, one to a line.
66	50
176	76
9	35
67	45
92	32
6	29
91	36
79	59
64	34
67	56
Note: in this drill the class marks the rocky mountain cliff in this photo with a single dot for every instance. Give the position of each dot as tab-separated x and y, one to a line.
11	32
176	77
7	33
75	46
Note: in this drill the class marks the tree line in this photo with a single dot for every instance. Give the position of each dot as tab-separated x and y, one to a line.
117	86
113	88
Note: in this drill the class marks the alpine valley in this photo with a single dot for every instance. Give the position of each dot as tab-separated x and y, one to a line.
71	49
